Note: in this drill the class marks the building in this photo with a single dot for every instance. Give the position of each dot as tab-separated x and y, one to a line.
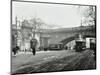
45	37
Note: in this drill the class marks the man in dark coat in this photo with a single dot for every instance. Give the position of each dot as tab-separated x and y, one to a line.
33	43
15	49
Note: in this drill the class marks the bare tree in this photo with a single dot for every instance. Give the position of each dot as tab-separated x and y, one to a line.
87	14
36	25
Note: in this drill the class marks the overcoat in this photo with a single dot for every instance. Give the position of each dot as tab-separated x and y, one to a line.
33	43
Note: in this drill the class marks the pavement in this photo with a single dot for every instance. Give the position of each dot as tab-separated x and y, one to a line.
49	61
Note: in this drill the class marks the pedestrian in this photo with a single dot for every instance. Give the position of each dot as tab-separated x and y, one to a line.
66	47
33	44
15	50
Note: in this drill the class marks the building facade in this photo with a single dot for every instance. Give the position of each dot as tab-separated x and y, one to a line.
21	35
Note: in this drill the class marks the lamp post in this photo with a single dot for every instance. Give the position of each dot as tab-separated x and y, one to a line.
33	27
16	35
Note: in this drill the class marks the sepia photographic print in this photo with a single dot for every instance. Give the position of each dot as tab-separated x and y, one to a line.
52	37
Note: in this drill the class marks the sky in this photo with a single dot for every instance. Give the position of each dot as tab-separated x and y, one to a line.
57	14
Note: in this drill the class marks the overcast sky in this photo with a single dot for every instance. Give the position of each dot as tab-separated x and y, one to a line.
61	15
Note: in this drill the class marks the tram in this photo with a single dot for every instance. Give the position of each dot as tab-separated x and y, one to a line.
80	45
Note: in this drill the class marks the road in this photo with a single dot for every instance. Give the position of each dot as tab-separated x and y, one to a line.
49	61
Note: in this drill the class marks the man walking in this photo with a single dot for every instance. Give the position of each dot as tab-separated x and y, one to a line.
15	50
33	43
